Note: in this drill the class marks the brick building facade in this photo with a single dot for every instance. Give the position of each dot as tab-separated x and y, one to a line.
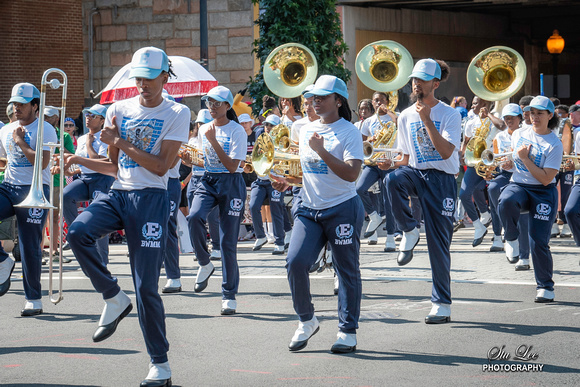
123	26
36	36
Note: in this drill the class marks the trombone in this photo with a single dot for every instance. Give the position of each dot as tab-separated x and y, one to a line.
36	198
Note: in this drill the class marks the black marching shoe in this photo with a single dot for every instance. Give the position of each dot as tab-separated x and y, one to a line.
203	275
439	314
156	383
159	376
106	331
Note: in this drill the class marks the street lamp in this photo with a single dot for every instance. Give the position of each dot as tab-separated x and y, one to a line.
555	46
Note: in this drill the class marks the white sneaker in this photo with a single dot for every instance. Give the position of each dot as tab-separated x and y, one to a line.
345	343
555	230
410	240
390	244
32	308
544	295
497	244
259	243
159	371
440	313
172	286
523	264
375	220
485	218
305	331
373	239
512	250
566	232
114	307
202	278
278	250
228	307
480	232
216	255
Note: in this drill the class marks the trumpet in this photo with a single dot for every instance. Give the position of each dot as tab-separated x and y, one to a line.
195	157
373	155
495	159
569	161
266	159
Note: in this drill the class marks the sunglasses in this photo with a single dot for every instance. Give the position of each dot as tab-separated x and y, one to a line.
215	104
69	125
91	115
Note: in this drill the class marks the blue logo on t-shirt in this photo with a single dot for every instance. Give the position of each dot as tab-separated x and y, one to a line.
536	153
15	155
211	159
424	148
311	161
143	134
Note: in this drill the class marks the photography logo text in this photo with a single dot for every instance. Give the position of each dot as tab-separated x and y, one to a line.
523	353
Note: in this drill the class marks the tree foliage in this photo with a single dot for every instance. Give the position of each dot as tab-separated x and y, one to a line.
313	23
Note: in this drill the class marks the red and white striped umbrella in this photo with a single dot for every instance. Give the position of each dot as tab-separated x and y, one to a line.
191	80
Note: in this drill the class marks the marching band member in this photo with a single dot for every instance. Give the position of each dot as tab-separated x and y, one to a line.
502	143
331	158
171	253
144	135
365	110
90	183
371	174
262	188
18	146
203	117
572	209
537	158
224	144
473	185
290	110
429	133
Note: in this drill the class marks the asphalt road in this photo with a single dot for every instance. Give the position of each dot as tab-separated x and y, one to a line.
493	315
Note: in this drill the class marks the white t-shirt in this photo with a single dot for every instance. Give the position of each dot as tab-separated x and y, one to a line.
99	147
288	122
322	187
546	152
358	124
413	139
146	128
234	141
298	124
173	173
371	125
195	142
503	141
19	170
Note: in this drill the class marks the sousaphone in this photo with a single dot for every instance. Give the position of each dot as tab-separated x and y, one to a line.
289	69
384	66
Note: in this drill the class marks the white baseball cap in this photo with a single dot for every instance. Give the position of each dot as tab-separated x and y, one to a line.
426	69
148	63
541	103
24	93
328	84
220	93
272	119
50	111
203	116
245	118
511	109
98	109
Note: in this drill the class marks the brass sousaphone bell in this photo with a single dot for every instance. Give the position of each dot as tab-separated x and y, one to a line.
495	74
384	66
289	69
